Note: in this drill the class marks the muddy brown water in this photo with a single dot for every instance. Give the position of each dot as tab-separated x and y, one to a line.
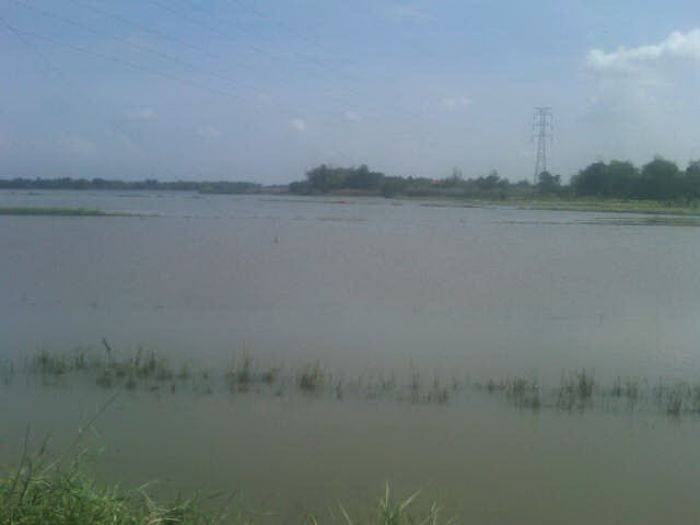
363	284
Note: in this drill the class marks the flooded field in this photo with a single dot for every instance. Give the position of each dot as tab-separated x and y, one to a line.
517	366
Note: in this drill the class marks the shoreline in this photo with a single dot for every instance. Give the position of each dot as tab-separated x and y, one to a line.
586	205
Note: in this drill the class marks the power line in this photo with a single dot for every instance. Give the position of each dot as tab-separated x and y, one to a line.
133	45
23	34
131	65
144	28
257	49
84	96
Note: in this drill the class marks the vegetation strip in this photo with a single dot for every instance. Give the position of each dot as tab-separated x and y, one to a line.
148	372
58	211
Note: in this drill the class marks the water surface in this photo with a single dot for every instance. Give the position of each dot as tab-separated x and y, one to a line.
364	284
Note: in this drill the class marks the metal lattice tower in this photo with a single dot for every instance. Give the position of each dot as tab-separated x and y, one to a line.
542	130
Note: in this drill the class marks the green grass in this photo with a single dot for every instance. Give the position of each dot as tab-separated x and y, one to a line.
72	498
67	211
41	493
608	205
583	204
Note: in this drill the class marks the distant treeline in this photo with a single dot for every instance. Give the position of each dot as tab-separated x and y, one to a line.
659	179
67	183
328	179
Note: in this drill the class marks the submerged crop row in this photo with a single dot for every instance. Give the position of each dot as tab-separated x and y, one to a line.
149	372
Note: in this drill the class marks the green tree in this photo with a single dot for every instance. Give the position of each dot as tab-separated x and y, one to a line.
363	179
692	180
623	179
661	179
592	180
548	184
325	178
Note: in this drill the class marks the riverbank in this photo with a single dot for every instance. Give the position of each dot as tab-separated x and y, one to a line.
552	203
55	211
543	203
560	204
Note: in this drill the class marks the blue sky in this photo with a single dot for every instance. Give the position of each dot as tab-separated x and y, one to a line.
238	89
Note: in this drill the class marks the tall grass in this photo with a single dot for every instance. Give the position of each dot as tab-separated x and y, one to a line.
72	498
39	492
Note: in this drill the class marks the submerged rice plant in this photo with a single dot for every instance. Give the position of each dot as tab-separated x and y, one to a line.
575	390
311	378
146	371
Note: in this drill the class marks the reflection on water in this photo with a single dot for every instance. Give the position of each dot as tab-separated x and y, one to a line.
365	284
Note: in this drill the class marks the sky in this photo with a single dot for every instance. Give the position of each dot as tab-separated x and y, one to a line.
265	90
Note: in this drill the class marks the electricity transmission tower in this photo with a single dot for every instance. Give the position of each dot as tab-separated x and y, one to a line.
542	130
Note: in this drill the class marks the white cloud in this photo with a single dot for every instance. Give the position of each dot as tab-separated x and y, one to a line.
75	145
455	103
298	124
677	45
141	114
352	116
208	132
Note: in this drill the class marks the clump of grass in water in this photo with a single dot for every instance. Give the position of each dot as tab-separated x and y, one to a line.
493	387
675	403
392	512
575	390
414	386
243	373
150	368
628	389
110	372
7	371
675	398
271	375
523	392
437	393
312	378
147	371
46	363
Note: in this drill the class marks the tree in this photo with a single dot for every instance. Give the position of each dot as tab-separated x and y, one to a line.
692	180
325	178
624	179
661	179
548	183
490	182
592	180
363	179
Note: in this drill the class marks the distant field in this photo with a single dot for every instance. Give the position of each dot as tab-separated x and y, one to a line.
575	204
607	205
56	211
